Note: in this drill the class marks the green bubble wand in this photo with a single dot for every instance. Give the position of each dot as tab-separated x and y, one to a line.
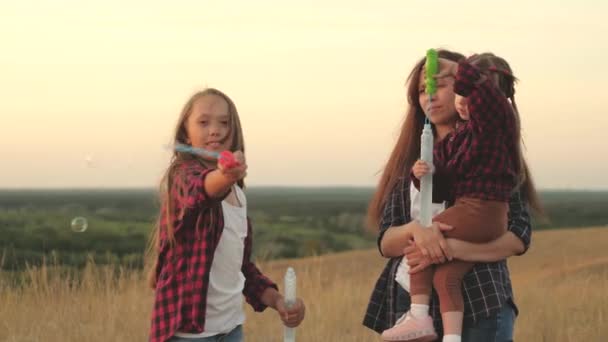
426	140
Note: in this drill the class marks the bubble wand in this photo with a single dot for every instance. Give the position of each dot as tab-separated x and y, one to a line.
426	140
290	300
226	158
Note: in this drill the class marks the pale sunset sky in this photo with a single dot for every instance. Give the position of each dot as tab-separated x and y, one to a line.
90	90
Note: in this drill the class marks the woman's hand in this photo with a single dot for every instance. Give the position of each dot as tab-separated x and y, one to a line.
507	245
415	260
431	242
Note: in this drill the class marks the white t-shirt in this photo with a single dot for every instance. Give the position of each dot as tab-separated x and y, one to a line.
226	280
402	276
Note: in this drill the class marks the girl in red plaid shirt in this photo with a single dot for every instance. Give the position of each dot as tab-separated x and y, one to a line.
478	165
203	239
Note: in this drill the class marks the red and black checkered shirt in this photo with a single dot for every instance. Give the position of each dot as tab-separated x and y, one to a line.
183	270
479	156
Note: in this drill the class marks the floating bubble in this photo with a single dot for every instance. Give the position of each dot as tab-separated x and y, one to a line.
89	162
79	224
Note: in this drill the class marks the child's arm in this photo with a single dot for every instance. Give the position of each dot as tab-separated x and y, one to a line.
218	182
193	185
260	292
489	109
255	282
292	316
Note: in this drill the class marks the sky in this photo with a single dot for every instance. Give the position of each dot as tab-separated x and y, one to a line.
90	91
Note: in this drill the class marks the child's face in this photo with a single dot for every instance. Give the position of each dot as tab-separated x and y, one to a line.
462	107
208	125
440	109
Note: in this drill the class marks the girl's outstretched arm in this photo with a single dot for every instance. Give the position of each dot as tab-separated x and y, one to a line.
219	181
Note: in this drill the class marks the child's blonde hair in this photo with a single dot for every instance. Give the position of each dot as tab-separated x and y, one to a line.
181	137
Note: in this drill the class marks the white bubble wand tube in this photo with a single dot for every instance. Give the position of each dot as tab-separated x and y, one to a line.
427	141
290	300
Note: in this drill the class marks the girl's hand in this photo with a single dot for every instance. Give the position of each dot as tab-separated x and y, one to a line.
233	165
227	160
431	242
421	168
293	316
447	68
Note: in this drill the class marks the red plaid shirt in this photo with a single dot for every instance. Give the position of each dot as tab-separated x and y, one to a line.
479	156
183	270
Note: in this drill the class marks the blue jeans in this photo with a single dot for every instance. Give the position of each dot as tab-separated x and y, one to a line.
235	335
497	328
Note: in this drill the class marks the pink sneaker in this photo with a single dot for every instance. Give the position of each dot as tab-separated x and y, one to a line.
411	329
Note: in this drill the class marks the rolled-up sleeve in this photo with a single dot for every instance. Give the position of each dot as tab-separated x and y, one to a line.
396	209
188	186
519	219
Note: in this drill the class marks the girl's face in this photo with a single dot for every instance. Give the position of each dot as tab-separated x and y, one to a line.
208	125
440	109
462	107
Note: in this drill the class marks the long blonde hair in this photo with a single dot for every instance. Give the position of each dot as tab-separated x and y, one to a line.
181	137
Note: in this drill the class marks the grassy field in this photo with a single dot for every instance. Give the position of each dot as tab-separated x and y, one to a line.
561	287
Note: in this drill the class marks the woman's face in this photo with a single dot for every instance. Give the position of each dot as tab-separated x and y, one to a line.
440	108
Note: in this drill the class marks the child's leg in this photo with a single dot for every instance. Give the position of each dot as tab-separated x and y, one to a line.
419	302
420	292
421	286
416	324
448	284
475	221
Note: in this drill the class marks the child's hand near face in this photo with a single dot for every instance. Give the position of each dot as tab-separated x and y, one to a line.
447	68
421	168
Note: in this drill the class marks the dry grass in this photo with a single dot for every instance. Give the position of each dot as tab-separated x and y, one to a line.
561	287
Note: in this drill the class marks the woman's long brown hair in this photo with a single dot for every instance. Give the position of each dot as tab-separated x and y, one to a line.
407	149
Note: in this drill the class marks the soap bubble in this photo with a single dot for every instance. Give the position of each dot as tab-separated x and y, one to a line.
90	162
79	224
